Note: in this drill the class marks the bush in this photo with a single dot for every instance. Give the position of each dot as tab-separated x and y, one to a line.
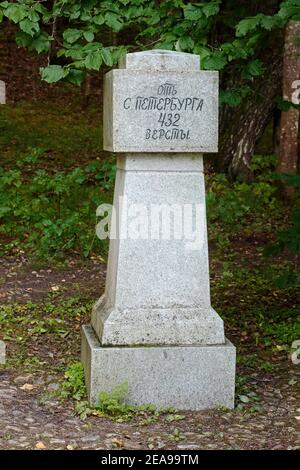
239	204
74	384
48	214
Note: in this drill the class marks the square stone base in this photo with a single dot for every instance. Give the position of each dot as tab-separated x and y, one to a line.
183	377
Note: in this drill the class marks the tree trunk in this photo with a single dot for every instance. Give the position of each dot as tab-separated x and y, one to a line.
87	89
288	137
246	124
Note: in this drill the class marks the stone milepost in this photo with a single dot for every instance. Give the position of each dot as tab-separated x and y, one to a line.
154	327
159	113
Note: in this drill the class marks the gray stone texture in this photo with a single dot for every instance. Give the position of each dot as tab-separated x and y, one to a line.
154	327
160	60
157	291
159	111
2	92
183	377
2	352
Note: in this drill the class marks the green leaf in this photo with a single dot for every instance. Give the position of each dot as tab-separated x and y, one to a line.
29	27
75	76
107	57
112	20
289	10
74	52
1	16
254	39
89	36
255	68
93	60
41	43
23	39
138	11
269	22
186	43
192	12
202	52
211	9
284	105
244	398
216	61
98	20
247	25
53	73
33	16
232	98
72	35
40	8
15	12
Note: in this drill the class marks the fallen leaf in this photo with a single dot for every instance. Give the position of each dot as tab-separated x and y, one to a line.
279	347
40	445
27	387
119	443
292	381
244	398
170	418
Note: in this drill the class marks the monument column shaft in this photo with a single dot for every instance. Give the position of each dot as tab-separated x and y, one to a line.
162	231
157	287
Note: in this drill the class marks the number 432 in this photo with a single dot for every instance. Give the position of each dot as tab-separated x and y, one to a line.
168	119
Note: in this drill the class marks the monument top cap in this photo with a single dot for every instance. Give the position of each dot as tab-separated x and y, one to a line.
160	60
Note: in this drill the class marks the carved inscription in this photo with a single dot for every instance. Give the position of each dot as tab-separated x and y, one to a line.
170	108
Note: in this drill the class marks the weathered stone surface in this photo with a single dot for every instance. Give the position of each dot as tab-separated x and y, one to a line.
160	111
2	352
185	377
157	326
157	290
159	59
2	92
154	327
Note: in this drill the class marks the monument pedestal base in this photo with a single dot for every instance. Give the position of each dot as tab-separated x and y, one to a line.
183	377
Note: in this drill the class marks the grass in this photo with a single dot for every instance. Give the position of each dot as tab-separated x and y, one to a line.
65	136
251	303
50	323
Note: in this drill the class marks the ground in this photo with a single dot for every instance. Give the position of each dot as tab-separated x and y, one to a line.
32	415
50	277
28	423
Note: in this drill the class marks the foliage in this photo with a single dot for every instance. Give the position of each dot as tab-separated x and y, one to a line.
74	384
61	134
272	321
24	324
288	239
80	35
113	403
52	214
231	204
253	362
234	206
39	319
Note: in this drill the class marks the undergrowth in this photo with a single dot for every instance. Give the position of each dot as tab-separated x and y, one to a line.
53	214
